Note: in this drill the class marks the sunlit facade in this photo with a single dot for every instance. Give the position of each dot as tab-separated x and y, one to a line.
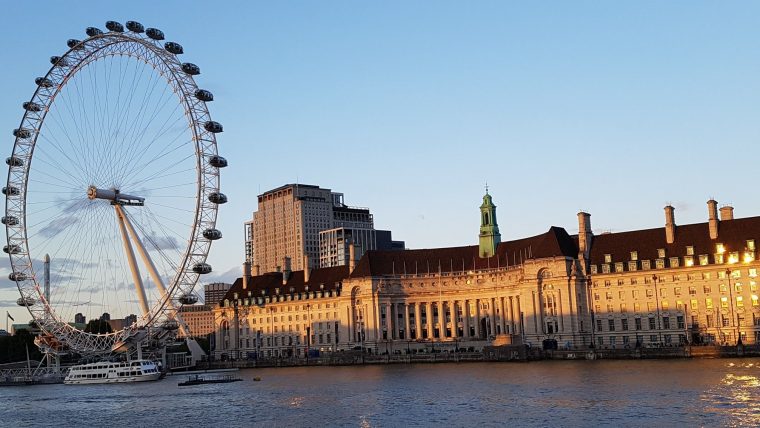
656	287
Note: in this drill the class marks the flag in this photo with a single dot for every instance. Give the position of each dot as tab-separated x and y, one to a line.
9	315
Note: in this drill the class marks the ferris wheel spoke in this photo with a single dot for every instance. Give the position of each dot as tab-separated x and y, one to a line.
181	162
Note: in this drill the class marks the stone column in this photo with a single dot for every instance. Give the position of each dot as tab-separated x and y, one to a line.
388	321
454	321
477	318
417	320
442	319
466	318
429	309
406	319
494	316
503	316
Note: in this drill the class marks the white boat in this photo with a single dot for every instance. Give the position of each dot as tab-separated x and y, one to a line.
113	372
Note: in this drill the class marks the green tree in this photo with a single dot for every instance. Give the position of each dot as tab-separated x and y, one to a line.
97	327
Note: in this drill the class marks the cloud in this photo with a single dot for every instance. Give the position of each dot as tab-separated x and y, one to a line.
55	227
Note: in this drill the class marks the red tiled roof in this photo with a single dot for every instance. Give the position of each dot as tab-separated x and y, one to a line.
270	282
555	242
731	233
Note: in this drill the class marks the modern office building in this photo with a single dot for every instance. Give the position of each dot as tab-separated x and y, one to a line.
307	224
656	287
80	319
198	318
214	292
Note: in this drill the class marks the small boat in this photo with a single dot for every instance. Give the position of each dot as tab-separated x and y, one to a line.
197	380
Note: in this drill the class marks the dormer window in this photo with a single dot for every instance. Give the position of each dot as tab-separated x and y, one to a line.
608	258
751	244
661	253
749	256
688	261
689	250
634	255
704	260
733	257
720	248
674	262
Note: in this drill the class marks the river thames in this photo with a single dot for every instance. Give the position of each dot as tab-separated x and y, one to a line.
549	393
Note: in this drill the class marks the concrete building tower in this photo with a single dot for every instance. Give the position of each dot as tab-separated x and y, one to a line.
670	224
489	228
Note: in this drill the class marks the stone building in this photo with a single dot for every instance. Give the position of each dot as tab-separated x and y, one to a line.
655	287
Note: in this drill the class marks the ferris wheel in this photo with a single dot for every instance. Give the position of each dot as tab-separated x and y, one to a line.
113	189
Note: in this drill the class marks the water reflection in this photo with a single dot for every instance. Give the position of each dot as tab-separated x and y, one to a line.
561	393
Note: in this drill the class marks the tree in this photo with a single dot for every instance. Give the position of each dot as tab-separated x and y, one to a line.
97	327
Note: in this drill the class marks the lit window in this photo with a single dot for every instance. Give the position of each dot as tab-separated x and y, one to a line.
664	305
646	264
608	258
619	267
724	302
751	244
632	266
720	248
688	261
749	256
689	250
733	257
694	304
703	260
709	303
660	263
674	262
739	301
661	253
752	272
605	268
593	269
634	255
754	300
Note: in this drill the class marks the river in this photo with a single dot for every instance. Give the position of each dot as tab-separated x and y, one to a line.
717	392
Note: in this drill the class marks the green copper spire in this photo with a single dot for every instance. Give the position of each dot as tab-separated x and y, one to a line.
489	228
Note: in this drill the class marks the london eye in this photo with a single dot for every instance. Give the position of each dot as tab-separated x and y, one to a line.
115	175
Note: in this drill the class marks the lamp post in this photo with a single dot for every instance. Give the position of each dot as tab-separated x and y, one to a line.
731	297
591	311
308	331
657	305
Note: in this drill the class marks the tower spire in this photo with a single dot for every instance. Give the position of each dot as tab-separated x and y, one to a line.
489	228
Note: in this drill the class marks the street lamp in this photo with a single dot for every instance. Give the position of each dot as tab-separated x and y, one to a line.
731	297
657	304
591	310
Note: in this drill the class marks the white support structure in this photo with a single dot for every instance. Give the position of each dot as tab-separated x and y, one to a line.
131	259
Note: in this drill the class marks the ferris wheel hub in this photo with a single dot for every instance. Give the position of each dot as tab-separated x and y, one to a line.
115	196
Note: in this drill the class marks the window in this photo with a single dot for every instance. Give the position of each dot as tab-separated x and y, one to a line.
666	323
707	289
596	296
621	281
593	269
634	281
738	287
608	295
739	301
611	324
646	264
598	325
608	258
624	324
621	295
692	291
637	323
652	323
637	307
708	303
607	283
660	263
635	294
661	253
664	305
689	250
694	304
751	244
650	293
610	309
752	273
632	266
703	259
724	302
605	268
733	257
623	308
688	261
619	267
677	291
754	300
634	255
674	262
650	306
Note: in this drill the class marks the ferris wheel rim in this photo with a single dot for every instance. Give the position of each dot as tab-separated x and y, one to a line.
197	246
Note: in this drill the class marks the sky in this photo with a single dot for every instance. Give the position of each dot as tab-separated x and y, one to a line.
411	107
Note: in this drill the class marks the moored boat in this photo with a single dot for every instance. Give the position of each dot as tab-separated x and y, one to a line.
197	380
113	372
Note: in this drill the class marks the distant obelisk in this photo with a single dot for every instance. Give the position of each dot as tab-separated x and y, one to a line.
47	278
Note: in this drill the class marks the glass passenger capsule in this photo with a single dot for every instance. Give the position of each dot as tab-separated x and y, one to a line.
174	48
92	31
212	234
217	161
204	95
214	127
218	198
135	27
191	69
115	26
202	268
31	106
155	33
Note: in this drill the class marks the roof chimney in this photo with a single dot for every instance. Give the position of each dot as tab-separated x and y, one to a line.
712	213
306	269
670	224
726	213
285	269
246	274
584	234
256	270
351	257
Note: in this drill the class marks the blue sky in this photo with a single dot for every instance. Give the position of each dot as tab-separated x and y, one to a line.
410	107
